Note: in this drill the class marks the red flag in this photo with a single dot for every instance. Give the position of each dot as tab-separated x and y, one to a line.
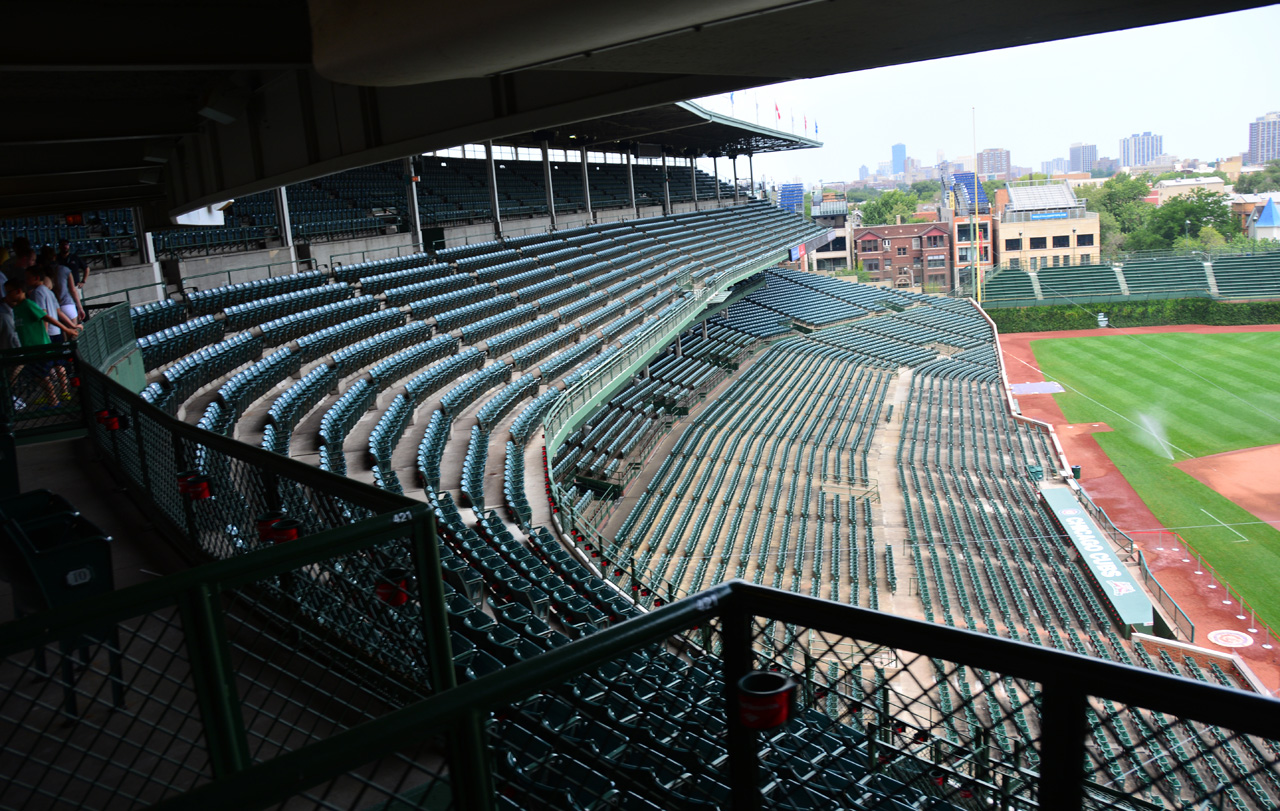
776	110
806	123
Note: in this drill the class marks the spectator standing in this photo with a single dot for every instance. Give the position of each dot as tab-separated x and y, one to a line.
8	333
29	322
79	268
40	290
64	286
15	268
20	245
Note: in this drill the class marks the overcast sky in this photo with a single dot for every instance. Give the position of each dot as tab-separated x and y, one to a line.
1198	83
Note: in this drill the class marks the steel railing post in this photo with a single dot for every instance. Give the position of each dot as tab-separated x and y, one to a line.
742	744
1063	729
214	680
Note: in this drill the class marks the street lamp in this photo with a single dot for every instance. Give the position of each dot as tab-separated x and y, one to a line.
1186	229
1073	246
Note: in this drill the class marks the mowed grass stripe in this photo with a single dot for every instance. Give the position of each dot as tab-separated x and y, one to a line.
1209	394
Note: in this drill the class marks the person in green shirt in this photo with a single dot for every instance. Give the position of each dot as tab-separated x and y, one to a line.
29	321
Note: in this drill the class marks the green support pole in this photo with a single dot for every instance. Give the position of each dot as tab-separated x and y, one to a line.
210	661
469	762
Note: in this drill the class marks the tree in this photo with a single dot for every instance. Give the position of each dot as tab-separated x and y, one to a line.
1190	213
1111	236
1211	239
883	209
991	187
1257	182
861	195
927	190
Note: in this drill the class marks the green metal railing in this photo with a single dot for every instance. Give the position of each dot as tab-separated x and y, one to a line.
1181	621
884	709
107	337
178	682
40	397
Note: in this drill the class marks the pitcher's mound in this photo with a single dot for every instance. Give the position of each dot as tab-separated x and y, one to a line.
1248	477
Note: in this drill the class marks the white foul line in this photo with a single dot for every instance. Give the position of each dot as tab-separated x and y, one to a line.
1243	539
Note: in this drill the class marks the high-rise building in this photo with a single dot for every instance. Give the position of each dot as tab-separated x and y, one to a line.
1057	166
885	169
899	158
1264	139
863	172
1083	157
1141	150
993	162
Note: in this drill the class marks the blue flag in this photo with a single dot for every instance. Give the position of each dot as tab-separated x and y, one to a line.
815	126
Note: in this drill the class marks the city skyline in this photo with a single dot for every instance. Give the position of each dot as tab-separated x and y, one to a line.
1200	114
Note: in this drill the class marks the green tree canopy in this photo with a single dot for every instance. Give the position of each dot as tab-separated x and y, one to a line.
861	195
991	187
1257	182
930	190
883	209
1190	213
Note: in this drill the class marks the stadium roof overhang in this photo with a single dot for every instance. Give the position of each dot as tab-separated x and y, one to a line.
682	129
173	106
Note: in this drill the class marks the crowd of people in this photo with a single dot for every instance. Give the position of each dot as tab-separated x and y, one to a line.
41	306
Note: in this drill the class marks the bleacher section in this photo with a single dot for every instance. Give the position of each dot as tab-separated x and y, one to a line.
1145	278
98	236
774	480
453	190
1255	276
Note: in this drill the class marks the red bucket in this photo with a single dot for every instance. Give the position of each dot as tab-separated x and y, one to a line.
284	530
264	523
765	699
393	588
198	488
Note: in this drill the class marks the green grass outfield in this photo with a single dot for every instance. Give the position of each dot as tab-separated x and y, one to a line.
1208	394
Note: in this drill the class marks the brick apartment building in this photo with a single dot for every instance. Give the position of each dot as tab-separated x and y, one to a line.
909	255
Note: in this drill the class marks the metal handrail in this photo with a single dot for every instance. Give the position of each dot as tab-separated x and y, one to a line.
1068	683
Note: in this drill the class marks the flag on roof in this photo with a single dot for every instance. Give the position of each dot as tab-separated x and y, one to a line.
777	110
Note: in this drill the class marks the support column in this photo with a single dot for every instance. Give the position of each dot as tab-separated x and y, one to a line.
586	185
715	174
679	351
704	329
693	182
734	160
546	179
415	219
631	184
492	175
751	172
283	220
666	187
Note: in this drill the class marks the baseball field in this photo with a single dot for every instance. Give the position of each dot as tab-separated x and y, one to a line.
1195	428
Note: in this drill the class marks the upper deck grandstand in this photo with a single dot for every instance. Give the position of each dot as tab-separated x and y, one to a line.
438	419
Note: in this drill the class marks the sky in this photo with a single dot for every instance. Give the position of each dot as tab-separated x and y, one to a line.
1198	83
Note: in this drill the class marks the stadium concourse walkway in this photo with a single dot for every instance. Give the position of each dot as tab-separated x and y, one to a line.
1107	486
